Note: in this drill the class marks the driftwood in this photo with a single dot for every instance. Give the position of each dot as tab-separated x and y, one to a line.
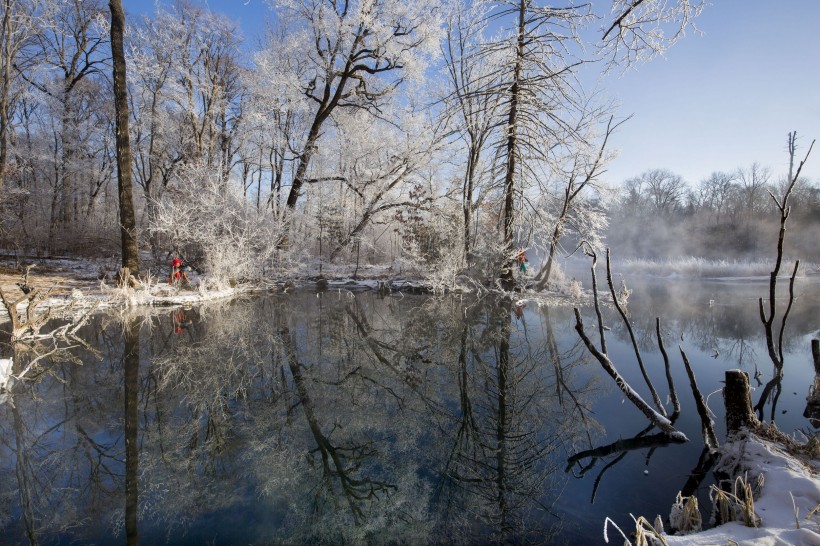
657	418
25	325
655	398
709	437
673	395
654	417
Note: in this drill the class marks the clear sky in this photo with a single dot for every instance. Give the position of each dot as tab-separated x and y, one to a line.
717	100
728	97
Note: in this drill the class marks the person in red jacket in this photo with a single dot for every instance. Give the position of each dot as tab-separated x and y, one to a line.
178	274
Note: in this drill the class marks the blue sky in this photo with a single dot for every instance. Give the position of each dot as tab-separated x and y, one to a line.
717	100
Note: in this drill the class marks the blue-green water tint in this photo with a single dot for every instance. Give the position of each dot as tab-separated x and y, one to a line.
355	419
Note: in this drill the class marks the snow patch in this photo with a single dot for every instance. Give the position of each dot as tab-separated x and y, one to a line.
785	477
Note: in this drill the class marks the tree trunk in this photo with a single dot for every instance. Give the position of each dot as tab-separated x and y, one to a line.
467	201
512	146
4	92
738	402
128	223
131	361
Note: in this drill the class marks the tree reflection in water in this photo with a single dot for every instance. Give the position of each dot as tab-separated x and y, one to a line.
306	418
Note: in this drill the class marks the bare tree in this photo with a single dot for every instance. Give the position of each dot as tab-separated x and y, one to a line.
72	45
539	91
715	193
642	29
15	34
753	185
128	222
587	165
472	103
775	347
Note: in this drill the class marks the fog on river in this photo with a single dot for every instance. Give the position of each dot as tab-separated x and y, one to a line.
357	418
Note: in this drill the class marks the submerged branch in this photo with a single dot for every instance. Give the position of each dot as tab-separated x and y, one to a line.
654	417
707	425
672	393
653	392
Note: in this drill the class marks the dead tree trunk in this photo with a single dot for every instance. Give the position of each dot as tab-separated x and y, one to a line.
30	324
812	411
775	347
738	402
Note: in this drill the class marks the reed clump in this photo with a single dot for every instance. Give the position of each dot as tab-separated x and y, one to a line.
685	515
737	504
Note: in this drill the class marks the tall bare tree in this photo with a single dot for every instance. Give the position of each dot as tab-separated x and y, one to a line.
15	33
472	104
128	222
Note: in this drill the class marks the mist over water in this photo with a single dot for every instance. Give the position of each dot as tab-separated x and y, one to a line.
354	418
728	217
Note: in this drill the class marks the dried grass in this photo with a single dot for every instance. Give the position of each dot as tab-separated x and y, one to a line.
685	515
738	504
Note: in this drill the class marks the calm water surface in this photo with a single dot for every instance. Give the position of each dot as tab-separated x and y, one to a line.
344	418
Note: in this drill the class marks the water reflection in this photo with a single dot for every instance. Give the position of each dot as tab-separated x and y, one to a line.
333	418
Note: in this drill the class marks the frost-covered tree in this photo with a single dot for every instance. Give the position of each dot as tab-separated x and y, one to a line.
542	98
537	83
472	106
278	111
16	33
381	165
575	204
72	49
357	54
216	227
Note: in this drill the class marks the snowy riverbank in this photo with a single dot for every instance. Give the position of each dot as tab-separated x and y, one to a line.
788	503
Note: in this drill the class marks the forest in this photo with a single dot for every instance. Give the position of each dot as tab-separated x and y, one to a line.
439	137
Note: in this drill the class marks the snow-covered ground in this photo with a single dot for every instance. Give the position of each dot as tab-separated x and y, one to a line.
83	283
790	492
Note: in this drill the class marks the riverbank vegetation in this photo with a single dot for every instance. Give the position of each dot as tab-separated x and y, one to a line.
444	138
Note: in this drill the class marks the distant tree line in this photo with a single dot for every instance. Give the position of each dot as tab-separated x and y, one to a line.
728	215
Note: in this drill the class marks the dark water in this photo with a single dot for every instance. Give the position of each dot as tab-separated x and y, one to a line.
355	419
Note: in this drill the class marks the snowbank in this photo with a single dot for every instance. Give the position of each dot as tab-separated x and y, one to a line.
5	371
785	477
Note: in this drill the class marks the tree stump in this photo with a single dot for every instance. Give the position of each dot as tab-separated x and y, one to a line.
738	402
126	280
812	411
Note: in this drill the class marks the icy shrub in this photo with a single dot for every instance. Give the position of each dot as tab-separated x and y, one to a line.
562	284
685	515
433	249
208	217
575	289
